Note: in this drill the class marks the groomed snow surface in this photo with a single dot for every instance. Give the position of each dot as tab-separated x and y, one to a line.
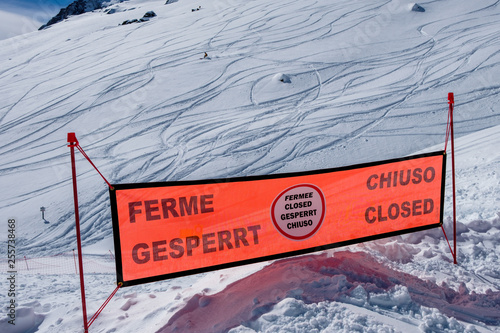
286	86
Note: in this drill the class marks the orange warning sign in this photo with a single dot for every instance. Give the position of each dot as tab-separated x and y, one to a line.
165	230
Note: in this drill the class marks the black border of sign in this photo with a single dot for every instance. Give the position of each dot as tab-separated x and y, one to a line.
116	234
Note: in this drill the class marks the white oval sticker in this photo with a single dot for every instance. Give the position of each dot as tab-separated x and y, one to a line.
298	211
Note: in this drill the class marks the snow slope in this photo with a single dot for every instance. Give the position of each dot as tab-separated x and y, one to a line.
368	81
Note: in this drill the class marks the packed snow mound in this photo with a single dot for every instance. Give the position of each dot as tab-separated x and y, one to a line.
304	85
353	278
292	315
280	77
25	320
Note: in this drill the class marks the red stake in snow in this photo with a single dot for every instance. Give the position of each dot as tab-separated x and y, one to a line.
451	102
73	142
449	134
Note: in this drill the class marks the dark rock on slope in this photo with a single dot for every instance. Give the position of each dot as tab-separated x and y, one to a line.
75	8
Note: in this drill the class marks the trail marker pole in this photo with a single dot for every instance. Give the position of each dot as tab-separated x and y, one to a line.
73	142
26	261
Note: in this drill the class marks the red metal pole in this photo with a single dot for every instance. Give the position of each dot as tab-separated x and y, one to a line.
451	101
72	143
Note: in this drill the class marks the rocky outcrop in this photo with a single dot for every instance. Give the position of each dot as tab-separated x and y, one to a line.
145	18
75	8
417	8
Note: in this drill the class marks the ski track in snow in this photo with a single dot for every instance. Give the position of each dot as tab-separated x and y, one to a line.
368	82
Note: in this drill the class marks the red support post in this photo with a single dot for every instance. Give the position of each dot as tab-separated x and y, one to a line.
73	142
451	102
